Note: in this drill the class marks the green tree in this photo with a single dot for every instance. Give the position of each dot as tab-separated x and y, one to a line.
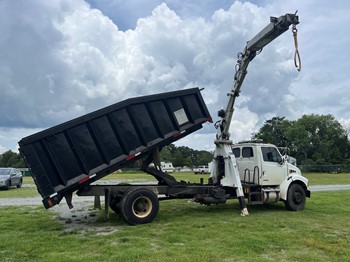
274	131
11	159
313	139
204	157
319	139
185	156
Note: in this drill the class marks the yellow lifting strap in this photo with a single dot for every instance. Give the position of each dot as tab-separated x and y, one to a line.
297	60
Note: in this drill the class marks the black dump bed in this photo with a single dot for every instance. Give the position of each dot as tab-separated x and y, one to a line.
78	152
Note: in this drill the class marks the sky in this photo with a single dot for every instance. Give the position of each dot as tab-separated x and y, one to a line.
61	59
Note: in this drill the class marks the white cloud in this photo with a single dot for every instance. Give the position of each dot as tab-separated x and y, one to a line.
10	136
62	59
244	124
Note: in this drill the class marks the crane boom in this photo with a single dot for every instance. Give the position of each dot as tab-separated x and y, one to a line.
273	30
224	169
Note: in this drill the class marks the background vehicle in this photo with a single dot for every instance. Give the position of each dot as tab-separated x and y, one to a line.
10	177
73	155
167	167
201	170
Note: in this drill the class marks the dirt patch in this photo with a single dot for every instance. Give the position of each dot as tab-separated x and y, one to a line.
82	219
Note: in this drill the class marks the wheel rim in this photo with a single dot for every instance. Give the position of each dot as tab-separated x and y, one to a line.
142	207
298	197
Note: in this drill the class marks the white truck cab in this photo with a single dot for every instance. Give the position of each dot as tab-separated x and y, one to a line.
201	170
268	177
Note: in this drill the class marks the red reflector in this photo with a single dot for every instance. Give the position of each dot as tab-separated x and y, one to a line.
49	202
179	133
133	156
130	157
84	180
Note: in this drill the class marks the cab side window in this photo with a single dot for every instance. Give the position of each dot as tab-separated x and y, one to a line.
270	154
247	152
237	152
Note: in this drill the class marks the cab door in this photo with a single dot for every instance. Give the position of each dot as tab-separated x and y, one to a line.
246	163
15	176
274	169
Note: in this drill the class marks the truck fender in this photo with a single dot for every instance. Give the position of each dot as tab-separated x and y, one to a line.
284	187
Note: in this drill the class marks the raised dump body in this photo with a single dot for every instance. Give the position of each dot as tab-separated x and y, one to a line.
66	157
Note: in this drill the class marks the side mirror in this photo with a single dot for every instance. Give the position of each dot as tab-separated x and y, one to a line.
282	161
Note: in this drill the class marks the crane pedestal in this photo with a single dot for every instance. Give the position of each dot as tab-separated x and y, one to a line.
225	171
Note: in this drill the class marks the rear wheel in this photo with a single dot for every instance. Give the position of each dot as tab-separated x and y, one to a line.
139	206
296	198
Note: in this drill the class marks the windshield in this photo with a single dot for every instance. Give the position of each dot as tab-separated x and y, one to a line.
5	172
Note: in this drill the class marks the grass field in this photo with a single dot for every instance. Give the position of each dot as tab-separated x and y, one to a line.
187	231
328	179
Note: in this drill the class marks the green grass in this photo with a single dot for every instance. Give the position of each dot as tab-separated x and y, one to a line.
28	180
186	231
19	192
327	179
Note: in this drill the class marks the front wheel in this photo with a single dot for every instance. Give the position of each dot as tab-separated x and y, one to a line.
296	198
20	184
8	185
139	206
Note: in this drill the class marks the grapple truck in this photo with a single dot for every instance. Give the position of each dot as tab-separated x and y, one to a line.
71	156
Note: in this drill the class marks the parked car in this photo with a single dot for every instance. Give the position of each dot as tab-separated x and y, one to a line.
10	177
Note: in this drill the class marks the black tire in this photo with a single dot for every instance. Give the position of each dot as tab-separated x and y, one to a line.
114	203
296	198
20	184
139	206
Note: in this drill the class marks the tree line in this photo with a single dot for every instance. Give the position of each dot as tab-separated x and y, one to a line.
185	156
11	159
312	140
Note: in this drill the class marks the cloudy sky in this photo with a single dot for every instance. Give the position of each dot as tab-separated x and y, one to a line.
60	59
